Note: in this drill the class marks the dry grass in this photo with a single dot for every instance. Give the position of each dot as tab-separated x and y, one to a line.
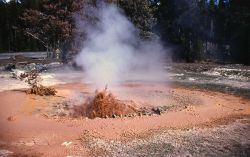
103	105
33	79
41	90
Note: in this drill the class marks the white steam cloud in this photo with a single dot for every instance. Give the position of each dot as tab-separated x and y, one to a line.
113	53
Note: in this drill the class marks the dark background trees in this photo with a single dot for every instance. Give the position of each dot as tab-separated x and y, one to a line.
238	28
200	30
52	25
207	30
142	14
10	37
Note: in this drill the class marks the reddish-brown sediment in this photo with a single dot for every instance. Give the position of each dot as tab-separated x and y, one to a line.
25	131
103	105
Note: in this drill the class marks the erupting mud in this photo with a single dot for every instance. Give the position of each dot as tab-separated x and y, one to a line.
103	105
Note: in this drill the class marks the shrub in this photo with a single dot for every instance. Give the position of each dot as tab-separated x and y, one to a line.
33	79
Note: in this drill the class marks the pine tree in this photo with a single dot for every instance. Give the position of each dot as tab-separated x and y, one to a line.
212	5
222	4
141	15
239	30
53	24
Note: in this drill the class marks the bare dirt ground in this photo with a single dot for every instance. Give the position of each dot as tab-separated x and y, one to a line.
196	123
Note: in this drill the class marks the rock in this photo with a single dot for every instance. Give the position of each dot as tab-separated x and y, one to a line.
114	116
9	67
130	115
32	66
17	73
144	113
54	65
26	67
11	118
66	144
158	110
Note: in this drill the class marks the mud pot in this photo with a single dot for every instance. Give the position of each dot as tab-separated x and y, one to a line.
157	119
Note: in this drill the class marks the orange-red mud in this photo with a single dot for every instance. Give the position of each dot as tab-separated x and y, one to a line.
25	131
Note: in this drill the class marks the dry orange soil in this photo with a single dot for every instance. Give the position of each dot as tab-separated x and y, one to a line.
25	128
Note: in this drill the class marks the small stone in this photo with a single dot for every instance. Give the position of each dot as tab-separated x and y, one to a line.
11	118
130	115
66	144
157	110
144	113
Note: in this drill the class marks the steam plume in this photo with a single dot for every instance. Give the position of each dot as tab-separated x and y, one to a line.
112	51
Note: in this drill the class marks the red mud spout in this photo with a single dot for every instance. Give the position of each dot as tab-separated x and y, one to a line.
104	105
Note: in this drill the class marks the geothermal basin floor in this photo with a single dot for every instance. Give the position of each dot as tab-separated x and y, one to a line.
197	123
